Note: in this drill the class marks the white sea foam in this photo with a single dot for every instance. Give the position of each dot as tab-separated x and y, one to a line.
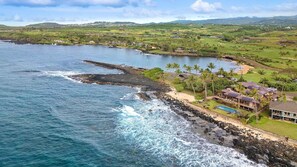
63	74
155	128
129	111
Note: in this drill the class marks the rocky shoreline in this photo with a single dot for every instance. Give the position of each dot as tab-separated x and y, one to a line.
268	152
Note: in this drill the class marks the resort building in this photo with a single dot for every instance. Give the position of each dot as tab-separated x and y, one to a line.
245	102
284	110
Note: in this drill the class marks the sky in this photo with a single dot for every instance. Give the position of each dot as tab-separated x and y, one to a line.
23	12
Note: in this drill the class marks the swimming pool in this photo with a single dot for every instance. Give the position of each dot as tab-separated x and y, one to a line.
227	109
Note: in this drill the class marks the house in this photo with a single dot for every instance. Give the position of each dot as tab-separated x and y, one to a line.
179	50
270	93
235	98
284	110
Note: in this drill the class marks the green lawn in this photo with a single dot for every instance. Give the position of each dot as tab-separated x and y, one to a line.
278	127
254	76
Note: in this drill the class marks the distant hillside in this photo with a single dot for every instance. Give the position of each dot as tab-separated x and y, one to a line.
95	24
280	20
109	24
46	25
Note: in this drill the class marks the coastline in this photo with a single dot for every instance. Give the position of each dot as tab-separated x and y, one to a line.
259	146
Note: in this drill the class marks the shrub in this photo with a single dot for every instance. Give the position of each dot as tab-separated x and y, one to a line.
177	80
199	97
295	98
154	73
179	87
261	72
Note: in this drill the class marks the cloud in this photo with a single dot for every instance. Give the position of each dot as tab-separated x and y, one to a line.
287	7
17	18
201	6
78	3
144	13
28	2
237	8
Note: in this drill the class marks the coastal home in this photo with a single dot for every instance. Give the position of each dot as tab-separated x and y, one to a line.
284	110
235	98
270	93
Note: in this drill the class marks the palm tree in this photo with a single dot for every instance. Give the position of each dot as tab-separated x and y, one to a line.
212	77
191	80
221	71
196	68
175	66
239	88
211	66
178	71
231	73
189	69
204	78
256	96
169	66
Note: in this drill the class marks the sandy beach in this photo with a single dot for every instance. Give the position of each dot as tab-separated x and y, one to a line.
244	69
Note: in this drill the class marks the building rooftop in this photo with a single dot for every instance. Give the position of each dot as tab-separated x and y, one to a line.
289	106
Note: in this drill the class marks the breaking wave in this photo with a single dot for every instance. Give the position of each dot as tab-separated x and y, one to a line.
63	74
155	128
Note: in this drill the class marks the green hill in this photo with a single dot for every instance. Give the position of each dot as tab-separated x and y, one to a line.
279	20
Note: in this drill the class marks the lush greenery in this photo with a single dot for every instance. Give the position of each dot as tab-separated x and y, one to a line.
154	74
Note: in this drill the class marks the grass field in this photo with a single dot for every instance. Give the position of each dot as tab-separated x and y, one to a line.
278	127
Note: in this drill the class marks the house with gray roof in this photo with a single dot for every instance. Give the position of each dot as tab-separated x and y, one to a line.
284	110
245	102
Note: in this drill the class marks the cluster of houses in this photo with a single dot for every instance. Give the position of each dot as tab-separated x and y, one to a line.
279	110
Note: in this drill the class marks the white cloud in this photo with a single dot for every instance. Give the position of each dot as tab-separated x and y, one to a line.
17	18
144	13
201	6
287	7
82	3
236	8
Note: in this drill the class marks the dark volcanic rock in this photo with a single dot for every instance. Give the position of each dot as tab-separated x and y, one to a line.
131	77
122	79
143	96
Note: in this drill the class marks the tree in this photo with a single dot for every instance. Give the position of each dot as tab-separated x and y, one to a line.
205	78
178	71
240	88
189	69
221	71
212	77
231	73
169	66
175	66
261	72
191	81
257	98
196	68
211	66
